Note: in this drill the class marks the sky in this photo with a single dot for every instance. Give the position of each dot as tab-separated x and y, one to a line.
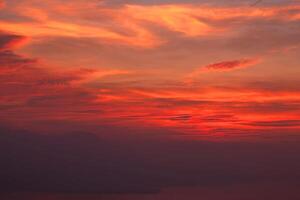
149	99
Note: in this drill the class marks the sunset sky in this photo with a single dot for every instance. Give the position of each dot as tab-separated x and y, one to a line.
172	97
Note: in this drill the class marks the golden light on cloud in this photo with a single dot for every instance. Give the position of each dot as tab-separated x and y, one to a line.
131	24
148	62
63	29
175	18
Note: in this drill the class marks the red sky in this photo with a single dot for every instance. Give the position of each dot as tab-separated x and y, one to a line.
201	68
190	70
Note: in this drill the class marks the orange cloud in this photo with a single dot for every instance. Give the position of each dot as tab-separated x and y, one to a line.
193	20
77	77
175	18
129	24
2	4
67	29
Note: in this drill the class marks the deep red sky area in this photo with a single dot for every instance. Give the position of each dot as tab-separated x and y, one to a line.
171	73
206	69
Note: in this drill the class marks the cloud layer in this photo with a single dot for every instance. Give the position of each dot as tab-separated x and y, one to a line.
84	163
151	98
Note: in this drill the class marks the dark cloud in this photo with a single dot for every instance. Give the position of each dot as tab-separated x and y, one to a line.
265	36
256	2
289	86
9	61
86	163
276	123
8	41
26	84
182	117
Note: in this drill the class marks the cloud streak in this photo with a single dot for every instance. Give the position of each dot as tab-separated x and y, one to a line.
230	65
223	66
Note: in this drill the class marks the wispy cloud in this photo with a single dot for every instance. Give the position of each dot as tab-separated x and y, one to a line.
230	65
221	67
8	41
133	24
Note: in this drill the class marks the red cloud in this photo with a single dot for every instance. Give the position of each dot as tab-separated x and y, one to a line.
9	41
1	4
229	65
221	66
9	61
